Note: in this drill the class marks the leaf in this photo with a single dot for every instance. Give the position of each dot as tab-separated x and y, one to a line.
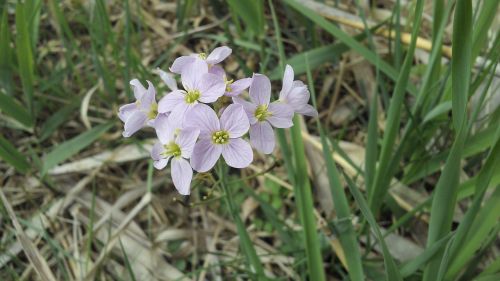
10	154
251	12
11	107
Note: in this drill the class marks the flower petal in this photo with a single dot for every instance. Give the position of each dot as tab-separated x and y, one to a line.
217	70
156	151
205	155
182	173
139	90
186	140
203	117
162	163
238	86
148	97
234	120
287	82
177	116
262	137
180	63
218	54
192	74
281	115
164	129
308	110
248	107
260	89
171	101
237	153
167	78
211	88
298	96
126	110
134	123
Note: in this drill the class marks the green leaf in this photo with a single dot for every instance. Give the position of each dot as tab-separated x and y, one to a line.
10	154
11	107
252	13
71	147
5	54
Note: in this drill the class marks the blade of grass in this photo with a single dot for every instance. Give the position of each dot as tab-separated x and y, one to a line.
6	53
252	13
11	107
69	148
347	235
9	154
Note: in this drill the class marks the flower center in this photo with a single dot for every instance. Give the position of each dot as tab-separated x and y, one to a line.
261	112
228	84
220	137
153	111
202	56
172	149
192	96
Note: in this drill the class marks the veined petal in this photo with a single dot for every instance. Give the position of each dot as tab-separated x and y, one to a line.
167	78
156	151
180	63
192	74
148	97
182	173
134	123
162	163
298	96
211	88
217	70
281	115
126	110
260	89
203	117
205	155
139	90
248	107
287	81
186	140
218	54
238	86
171	101
262	137
177	116
164	129
308	110
237	153
234	120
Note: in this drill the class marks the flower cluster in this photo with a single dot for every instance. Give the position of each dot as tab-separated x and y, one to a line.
191	135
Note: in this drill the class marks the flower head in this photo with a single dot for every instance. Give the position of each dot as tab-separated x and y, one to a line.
264	115
295	94
140	113
199	86
177	145
220	137
216	56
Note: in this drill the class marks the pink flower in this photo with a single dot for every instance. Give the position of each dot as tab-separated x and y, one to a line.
220	137
176	145
295	94
264	115
140	113
216	56
199	86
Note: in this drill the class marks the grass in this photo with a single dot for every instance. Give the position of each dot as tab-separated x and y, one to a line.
403	155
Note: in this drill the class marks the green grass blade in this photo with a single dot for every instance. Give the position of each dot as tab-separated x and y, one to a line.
69	148
6	53
347	236
9	154
11	107
251	12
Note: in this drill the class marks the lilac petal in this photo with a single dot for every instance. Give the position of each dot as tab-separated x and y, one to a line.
177	116
139	90
148	97
237	153
172	100
262	137
162	163
182	173
211	88
249	109
234	120
167	78
134	123
297	97
217	70
260	89
204	118
164	129
180	63
238	86
205	155
308	110
218	54
281	115
156	151
192	74
287	82
126	110
186	140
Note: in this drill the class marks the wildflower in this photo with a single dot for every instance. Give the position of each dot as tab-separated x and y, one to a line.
140	113
167	78
295	94
199	86
264	115
216	56
220	137
237	87
176	145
